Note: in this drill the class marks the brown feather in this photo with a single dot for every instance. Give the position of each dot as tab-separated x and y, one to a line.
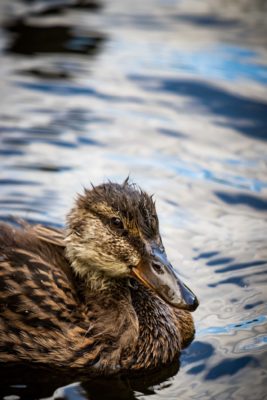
49	315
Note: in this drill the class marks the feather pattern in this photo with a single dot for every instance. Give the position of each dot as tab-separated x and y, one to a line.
49	316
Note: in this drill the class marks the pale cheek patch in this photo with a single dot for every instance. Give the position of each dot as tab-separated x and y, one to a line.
101	250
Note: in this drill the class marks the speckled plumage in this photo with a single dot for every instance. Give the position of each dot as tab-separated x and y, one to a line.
50	311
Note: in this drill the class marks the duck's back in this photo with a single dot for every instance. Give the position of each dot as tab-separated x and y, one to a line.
45	319
38	300
43	316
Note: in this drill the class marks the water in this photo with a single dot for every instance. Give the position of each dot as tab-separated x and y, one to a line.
174	94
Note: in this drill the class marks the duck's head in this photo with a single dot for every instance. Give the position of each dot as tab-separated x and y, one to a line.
113	232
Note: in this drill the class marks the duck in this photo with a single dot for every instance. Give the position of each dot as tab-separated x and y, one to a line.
98	295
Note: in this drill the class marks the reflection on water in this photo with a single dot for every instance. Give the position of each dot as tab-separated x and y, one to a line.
56	385
174	94
34	39
240	113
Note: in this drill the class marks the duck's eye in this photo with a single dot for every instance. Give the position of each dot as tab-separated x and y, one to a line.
116	223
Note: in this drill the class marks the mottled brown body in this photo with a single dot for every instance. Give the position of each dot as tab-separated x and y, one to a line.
49	314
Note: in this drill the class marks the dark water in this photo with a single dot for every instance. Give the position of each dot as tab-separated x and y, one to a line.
174	93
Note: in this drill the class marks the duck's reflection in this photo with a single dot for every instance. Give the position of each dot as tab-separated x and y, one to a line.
47	384
123	388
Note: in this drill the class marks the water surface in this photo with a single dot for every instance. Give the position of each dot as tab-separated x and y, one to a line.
174	94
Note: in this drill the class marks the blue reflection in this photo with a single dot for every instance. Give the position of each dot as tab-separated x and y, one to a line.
16	182
248	200
246	115
253	305
230	366
241	280
229	62
197	370
197	351
220	261
195	171
238	266
207	254
67	89
244	325
212	21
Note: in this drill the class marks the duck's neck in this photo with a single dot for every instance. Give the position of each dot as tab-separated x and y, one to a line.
159	334
93	281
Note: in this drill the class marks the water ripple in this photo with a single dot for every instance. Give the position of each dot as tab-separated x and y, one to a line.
248	200
174	94
246	115
230	367
230	328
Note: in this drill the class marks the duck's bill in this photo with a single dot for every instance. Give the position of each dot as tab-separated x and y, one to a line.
158	274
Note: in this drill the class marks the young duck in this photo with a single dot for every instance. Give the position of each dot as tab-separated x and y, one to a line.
100	295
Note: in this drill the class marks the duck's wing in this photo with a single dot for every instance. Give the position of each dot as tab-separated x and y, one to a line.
43	317
39	306
35	249
48	235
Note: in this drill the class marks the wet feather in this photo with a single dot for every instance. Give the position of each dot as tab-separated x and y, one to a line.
53	311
